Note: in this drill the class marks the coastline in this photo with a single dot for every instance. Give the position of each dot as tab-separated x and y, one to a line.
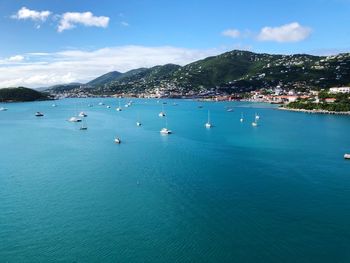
316	111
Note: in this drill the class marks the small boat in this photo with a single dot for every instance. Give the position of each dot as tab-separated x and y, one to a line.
3	109
54	105
254	124
175	104
39	114
117	140
347	156
126	105
241	119
119	108
229	110
200	106
90	105
162	113
82	114
165	131
257	117
74	119
138	123
208	124
101	104
83	126
108	107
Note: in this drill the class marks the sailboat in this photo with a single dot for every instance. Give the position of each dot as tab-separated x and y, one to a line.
229	109
255	122
3	108
162	113
165	130
83	126
241	119
82	114
75	118
257	117
119	108
208	124
117	140
138	123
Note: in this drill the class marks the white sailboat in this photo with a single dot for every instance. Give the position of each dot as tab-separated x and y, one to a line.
117	140
3	108
255	122
119	108
162	113
165	130
82	114
257	117
241	119
76	117
208	125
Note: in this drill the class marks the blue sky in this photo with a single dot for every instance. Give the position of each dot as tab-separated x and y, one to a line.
48	42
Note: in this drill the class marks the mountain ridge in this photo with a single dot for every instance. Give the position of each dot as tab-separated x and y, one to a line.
231	72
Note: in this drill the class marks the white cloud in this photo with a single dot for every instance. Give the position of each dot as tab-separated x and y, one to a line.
292	32
233	33
45	69
124	23
69	20
25	13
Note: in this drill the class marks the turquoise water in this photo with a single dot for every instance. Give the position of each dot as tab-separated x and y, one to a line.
279	192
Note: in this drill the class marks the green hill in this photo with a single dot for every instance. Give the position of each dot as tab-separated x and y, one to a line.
232	72
106	78
21	94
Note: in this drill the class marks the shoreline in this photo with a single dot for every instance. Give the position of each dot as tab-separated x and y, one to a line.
316	111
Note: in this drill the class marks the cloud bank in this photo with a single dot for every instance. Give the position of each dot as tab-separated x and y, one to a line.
44	69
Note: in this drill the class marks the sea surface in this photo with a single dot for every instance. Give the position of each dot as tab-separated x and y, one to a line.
279	192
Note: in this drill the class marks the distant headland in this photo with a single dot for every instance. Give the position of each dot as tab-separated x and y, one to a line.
22	94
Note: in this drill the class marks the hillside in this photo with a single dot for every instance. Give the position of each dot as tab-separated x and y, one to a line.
106	78
21	94
232	72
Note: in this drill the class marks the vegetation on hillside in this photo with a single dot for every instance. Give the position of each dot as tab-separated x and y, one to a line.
232	72
21	94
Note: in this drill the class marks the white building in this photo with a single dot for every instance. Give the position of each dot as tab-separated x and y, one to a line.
340	90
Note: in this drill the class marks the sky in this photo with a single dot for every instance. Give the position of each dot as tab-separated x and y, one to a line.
48	42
